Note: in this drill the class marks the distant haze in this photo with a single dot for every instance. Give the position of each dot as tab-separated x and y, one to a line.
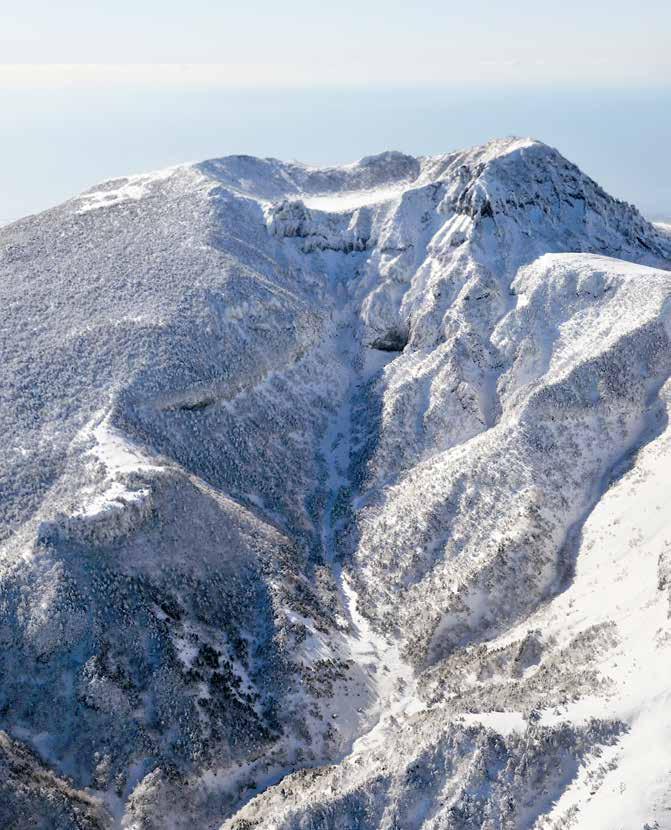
260	42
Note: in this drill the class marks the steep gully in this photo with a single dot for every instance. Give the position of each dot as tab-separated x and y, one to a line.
391	677
388	677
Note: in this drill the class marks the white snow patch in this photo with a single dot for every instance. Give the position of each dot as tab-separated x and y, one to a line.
347	200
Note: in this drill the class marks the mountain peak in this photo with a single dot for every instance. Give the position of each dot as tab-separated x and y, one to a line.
313	507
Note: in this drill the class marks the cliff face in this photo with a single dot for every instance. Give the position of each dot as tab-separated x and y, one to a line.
327	466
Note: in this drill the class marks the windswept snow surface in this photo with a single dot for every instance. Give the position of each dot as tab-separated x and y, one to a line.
337	498
350	200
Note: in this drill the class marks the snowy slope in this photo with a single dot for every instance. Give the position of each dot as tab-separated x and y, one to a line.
334	497
565	717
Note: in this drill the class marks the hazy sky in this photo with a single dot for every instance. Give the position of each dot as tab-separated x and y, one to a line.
351	41
89	90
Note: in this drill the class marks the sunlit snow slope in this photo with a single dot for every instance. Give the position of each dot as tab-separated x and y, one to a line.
337	498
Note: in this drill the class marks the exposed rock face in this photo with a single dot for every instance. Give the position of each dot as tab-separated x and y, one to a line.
336	498
327	233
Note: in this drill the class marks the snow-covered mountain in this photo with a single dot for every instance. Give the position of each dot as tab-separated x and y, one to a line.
337	498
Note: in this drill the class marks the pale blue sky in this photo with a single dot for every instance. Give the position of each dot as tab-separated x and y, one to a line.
351	41
90	90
